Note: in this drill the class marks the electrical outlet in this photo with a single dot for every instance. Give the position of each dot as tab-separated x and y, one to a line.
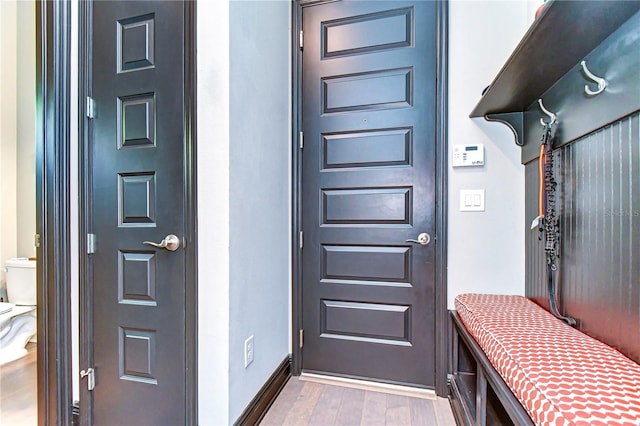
248	351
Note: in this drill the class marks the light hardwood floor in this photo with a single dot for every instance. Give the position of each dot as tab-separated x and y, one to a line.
18	390
300	402
309	403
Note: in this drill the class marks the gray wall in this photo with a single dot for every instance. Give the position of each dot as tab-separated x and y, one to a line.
259	193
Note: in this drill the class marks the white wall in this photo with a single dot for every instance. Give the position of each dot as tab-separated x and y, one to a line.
17	130
243	200
26	131
8	133
260	153
486	249
74	207
213	211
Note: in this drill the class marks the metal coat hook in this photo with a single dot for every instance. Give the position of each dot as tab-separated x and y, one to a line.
602	83
552	116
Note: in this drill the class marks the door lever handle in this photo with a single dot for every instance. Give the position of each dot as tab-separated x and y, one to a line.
170	242
423	239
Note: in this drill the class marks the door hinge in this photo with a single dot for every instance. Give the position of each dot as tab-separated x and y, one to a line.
301	239
301	338
89	373
36	240
91	107
91	243
301	40
301	140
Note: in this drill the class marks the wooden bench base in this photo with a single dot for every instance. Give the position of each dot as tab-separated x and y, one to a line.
477	393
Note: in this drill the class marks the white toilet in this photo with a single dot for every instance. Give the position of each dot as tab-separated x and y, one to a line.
17	316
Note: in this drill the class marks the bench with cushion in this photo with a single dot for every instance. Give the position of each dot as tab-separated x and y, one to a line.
513	362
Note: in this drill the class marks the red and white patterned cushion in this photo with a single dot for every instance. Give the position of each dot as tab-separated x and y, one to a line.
560	375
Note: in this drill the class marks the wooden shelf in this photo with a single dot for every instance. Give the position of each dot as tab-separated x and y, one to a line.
565	32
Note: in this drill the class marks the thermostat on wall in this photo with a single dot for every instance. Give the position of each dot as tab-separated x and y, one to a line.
468	155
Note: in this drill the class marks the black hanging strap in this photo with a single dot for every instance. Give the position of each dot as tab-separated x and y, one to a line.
551	224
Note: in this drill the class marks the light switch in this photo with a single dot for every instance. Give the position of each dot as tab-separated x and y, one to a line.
472	200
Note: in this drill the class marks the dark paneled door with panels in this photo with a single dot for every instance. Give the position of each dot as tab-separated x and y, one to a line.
137	195
368	184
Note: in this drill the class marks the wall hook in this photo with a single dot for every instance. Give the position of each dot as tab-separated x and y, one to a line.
552	116
602	83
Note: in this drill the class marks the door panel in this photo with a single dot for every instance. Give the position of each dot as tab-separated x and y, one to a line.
137	165
368	184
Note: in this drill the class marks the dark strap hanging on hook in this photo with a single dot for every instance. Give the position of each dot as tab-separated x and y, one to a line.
550	226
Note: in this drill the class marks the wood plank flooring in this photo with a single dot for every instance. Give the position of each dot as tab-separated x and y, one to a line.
300	402
18	390
310	403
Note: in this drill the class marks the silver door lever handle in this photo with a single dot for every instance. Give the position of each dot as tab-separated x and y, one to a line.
423	239
170	242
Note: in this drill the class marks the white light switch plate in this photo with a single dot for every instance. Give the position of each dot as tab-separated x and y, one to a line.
472	200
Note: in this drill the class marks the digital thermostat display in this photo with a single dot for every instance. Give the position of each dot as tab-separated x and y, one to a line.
468	155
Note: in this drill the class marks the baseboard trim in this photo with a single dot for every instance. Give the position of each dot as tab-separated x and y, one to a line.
347	382
259	405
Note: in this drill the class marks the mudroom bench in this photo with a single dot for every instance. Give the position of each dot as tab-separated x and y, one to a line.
515	363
